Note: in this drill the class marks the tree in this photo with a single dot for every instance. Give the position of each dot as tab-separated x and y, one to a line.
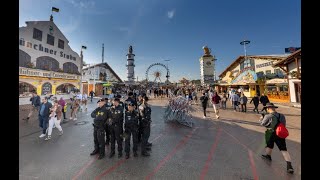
184	81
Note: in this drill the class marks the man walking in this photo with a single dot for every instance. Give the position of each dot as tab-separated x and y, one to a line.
271	121
91	95
243	103
204	101
44	113
264	100
234	99
216	103
35	102
255	101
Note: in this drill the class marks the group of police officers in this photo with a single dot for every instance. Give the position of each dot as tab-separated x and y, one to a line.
134	117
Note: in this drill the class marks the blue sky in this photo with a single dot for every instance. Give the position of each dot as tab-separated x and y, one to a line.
171	29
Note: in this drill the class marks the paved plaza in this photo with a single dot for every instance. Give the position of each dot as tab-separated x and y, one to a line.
225	148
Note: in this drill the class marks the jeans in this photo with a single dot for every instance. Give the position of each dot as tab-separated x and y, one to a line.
235	105
43	123
216	109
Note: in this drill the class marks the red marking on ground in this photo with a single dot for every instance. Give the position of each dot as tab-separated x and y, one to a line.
110	169
253	166
213	148
169	156
123	160
237	140
84	168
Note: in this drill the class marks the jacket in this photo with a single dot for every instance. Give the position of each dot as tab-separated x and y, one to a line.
243	100
35	101
145	113
100	115
255	100
131	118
46	111
116	115
59	112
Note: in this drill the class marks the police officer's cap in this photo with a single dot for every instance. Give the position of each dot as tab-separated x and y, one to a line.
130	104
106	99
100	100
117	99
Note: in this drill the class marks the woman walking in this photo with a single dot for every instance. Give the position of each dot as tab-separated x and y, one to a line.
75	108
255	101
62	103
55	119
224	101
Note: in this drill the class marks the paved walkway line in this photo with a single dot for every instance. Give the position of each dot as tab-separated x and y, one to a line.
253	166
213	148
169	156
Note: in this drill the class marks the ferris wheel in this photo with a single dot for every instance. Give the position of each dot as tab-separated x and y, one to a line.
156	72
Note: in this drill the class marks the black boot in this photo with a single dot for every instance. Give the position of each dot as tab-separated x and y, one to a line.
94	152
149	144
267	157
101	156
148	148
119	154
135	154
145	153
111	154
127	155
289	168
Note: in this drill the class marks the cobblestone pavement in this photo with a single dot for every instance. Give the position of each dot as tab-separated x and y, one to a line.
225	148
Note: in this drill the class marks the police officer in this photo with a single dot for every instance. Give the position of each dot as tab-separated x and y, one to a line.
131	128
107	106
121	104
100	115
130	99
139	102
145	113
115	125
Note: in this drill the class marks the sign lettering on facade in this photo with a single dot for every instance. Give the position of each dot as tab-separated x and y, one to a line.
41	73
39	47
264	64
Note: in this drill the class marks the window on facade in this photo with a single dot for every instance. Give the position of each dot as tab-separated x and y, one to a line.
24	59
246	64
50	39
37	34
61	44
70	67
268	71
47	63
278	71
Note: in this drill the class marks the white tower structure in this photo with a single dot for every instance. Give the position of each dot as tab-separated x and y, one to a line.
130	66
207	67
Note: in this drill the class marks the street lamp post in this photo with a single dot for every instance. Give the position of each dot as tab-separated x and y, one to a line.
81	64
167	76
244	43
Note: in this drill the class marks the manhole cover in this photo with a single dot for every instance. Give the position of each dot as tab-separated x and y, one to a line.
81	122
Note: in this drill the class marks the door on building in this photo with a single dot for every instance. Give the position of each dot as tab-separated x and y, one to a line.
85	89
46	88
297	89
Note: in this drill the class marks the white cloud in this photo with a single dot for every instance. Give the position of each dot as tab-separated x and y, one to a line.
171	14
82	3
124	29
